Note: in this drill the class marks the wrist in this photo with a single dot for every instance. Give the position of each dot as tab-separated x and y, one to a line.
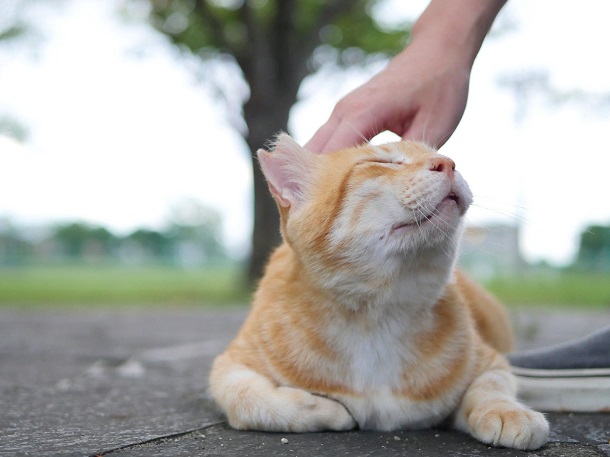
458	26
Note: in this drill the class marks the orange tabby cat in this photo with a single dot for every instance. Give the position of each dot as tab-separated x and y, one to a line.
361	320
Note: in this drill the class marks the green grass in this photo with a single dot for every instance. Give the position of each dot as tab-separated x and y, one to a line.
554	288
74	285
91	285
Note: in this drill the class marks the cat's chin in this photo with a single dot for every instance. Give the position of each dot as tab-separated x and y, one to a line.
447	212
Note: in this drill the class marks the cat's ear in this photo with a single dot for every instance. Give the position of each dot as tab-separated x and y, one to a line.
287	169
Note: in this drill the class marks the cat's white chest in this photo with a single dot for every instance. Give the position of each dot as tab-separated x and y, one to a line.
377	379
374	360
376	366
374	354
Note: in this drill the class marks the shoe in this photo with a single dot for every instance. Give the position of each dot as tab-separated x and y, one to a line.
568	377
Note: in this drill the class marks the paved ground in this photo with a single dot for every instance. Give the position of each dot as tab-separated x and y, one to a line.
132	383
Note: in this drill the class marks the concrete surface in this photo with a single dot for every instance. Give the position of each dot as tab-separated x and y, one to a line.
132	383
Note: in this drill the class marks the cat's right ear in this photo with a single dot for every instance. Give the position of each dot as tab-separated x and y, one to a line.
287	170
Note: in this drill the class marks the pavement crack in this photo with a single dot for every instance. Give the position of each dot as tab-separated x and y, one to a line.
157	440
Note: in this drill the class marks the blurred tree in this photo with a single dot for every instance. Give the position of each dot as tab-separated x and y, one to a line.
154	244
12	30
14	249
196	231
275	44
19	31
77	240
594	248
9	126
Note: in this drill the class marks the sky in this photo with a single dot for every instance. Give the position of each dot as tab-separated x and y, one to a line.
121	127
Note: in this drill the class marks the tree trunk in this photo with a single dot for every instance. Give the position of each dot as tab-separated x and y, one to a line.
262	125
265	119
274	74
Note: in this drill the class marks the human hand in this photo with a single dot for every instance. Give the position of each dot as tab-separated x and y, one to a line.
418	97
422	93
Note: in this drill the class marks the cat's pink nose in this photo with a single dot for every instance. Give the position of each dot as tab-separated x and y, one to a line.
443	165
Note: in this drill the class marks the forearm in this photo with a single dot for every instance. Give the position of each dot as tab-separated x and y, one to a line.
456	25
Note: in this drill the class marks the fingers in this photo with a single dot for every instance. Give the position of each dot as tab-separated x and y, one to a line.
427	132
434	126
355	120
337	133
318	141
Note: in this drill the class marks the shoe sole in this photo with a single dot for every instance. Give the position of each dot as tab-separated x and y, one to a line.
556	373
579	391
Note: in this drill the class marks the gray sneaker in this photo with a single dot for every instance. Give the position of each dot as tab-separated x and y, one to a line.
572	376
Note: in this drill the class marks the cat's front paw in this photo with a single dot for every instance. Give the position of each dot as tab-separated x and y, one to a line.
286	409
314	413
512	426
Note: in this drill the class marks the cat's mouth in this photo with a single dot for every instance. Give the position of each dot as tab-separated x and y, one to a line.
451	198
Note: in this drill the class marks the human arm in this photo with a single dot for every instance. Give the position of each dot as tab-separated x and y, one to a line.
421	94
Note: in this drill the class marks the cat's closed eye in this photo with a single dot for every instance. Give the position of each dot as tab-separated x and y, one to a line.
382	162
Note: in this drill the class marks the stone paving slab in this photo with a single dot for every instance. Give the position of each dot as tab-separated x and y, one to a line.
75	383
132	383
588	438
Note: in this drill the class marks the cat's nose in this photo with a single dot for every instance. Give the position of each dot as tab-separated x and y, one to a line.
443	165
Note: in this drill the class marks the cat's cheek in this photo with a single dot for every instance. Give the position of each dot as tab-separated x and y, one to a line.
463	191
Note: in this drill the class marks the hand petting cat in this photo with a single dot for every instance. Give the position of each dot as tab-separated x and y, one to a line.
422	93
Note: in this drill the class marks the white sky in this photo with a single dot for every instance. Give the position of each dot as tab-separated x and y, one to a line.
120	127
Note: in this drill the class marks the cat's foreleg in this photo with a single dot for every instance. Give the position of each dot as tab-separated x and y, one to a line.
491	413
252	402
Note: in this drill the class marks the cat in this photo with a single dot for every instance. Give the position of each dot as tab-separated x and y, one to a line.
361	319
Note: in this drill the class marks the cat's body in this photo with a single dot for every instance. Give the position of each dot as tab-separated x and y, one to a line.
361	319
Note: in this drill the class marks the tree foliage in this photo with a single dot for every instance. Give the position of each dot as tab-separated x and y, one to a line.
594	248
238	28
77	240
192	238
12	29
275	44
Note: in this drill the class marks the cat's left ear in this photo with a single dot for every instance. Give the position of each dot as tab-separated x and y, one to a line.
287	170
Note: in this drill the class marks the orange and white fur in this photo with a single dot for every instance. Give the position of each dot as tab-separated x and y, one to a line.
361	320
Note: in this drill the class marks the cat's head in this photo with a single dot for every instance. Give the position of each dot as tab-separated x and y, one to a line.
368	203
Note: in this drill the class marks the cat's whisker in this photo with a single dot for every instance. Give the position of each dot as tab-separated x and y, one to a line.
444	220
514	216
425	215
416	219
432	210
495	199
444	233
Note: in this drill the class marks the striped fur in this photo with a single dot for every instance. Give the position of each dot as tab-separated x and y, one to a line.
361	320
